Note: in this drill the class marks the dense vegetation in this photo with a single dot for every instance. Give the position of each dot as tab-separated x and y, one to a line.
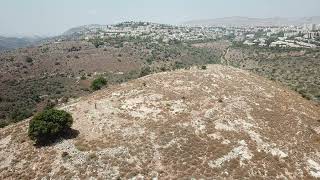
298	69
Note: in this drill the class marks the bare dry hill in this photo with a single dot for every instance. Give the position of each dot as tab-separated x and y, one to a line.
216	123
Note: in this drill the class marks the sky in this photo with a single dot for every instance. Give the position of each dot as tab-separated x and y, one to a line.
53	17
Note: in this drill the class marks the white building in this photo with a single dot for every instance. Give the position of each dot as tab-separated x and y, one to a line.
249	43
309	27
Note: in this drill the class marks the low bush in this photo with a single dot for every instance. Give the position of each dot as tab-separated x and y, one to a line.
98	83
145	71
97	42
83	77
29	60
3	123
19	115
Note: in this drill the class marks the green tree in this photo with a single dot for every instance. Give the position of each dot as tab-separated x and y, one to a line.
49	125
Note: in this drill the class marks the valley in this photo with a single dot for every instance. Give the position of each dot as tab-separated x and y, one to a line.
63	68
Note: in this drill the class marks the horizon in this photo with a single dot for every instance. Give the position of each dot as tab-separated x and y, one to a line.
46	36
51	18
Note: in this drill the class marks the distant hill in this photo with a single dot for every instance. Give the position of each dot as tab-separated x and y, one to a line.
10	43
82	29
246	21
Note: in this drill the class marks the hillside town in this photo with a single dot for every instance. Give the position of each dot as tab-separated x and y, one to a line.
306	36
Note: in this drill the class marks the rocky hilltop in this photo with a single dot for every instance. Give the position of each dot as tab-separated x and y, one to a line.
215	123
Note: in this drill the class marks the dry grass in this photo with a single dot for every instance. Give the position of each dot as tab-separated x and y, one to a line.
216	123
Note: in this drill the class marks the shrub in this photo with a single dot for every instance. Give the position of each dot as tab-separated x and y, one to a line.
65	155
178	65
49	125
29	60
98	83
203	67
3	123
150	60
19	115
145	71
93	156
163	69
50	104
97	42
83	77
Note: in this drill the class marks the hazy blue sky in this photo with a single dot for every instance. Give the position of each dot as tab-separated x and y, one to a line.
51	17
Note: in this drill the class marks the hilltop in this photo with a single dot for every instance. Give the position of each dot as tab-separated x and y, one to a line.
247	21
220	122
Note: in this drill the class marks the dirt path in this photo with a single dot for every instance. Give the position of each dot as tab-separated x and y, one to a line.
223	57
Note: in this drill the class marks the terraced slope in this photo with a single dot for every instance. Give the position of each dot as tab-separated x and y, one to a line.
216	123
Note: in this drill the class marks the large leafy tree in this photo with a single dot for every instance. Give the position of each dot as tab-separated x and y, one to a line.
49	125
